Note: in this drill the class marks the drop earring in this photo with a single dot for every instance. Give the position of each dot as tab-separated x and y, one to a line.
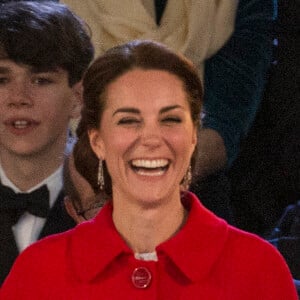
100	177
187	179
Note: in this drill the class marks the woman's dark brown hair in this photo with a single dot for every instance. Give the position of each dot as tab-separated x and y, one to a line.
146	55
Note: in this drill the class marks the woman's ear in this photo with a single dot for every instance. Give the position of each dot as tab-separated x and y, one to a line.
195	138
97	143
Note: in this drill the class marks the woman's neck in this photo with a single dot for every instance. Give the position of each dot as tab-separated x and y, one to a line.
144	228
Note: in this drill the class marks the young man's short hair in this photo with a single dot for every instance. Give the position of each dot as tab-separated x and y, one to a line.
45	35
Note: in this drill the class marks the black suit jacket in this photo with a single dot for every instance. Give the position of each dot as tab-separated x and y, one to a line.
57	221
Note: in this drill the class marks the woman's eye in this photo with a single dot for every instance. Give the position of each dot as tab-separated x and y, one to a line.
171	120
128	121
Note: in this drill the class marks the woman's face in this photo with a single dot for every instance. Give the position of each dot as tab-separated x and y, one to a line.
146	136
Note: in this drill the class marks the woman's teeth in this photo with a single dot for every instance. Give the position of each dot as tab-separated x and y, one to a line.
155	167
151	164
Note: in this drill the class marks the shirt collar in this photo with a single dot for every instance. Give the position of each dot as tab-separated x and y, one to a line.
198	245
54	184
194	249
95	244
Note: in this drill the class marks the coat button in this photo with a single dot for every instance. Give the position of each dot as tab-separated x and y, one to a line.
141	278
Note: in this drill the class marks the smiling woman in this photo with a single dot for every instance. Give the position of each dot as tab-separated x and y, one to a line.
153	239
150	63
146	137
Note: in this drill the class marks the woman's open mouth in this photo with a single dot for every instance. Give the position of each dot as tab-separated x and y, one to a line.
150	167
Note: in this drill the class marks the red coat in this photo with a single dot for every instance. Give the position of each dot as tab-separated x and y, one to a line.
207	259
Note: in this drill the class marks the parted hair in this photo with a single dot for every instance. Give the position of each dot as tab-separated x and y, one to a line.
45	35
139	54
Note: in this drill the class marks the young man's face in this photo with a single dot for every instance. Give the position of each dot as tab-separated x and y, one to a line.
35	109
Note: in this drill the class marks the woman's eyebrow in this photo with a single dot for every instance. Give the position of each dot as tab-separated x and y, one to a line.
127	110
137	111
168	108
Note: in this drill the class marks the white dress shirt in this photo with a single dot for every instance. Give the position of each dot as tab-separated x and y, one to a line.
28	228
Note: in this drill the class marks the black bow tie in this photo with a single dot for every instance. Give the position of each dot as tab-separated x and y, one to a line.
36	202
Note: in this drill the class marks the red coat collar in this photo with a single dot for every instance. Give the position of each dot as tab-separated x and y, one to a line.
194	249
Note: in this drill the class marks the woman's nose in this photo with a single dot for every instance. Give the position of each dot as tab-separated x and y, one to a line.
151	134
